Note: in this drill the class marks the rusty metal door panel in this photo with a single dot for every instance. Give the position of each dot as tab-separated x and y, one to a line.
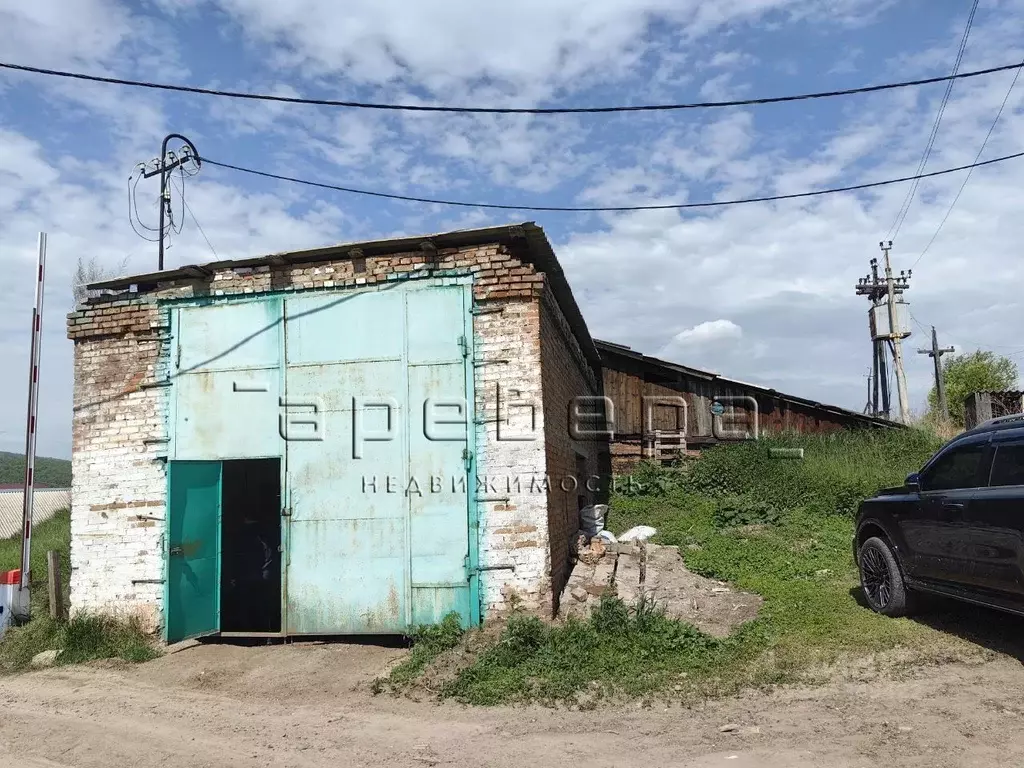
227	381
438	454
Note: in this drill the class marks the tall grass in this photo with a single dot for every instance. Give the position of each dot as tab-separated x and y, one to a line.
54	534
85	636
838	470
798	557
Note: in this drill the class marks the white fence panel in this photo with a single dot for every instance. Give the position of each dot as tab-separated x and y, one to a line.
48	502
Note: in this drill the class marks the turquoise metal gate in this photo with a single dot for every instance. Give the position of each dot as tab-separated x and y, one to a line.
368	397
378	439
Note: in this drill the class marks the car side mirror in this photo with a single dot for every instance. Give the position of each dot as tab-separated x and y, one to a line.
913	481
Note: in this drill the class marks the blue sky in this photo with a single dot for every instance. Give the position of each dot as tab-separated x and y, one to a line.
762	292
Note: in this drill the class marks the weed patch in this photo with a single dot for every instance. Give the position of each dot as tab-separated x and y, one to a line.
781	528
429	642
619	649
84	637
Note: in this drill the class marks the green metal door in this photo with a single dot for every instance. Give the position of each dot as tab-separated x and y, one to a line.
193	549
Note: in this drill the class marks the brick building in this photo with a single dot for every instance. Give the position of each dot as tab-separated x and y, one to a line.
351	439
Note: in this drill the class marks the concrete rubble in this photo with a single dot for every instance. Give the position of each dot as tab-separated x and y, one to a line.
635	570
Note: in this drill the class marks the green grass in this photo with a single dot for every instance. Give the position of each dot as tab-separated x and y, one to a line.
84	637
618	650
54	533
797	555
429	642
55	473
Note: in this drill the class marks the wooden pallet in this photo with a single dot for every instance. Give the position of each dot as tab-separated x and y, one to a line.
663	447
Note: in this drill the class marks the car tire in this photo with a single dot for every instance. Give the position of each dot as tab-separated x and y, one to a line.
882	580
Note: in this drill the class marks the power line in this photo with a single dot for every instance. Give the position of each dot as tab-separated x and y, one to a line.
969	342
613	208
977	157
504	110
901	216
181	191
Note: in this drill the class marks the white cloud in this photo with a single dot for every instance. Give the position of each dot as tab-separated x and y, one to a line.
529	47
703	334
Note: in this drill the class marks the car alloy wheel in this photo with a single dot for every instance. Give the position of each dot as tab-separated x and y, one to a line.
877	580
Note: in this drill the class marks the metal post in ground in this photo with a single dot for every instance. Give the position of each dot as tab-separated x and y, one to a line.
32	420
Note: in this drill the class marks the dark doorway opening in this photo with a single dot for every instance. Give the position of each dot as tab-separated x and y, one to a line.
250	578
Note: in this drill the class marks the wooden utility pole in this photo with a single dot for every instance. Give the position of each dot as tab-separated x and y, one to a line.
940	386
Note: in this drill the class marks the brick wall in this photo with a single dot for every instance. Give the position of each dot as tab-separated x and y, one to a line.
570	462
119	480
120	421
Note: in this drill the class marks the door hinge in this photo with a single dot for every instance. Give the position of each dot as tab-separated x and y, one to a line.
177	356
464	345
286	511
467	458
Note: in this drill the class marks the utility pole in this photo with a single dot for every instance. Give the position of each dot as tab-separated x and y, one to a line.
881	316
896	335
164	164
876	290
940	386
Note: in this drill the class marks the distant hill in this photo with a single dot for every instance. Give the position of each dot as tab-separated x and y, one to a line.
55	473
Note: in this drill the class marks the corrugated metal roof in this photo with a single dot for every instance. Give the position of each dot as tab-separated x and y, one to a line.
609	350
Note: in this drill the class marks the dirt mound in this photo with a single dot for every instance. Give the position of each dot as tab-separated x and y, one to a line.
638	571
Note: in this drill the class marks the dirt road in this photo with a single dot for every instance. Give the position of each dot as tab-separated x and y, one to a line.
310	705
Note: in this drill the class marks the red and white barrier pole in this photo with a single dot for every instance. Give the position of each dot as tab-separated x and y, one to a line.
33	410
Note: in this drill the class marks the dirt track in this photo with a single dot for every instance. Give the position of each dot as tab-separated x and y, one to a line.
310	705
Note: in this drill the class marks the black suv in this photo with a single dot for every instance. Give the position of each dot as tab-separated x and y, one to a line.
956	528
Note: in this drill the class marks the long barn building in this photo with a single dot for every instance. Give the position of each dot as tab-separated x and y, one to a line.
660	408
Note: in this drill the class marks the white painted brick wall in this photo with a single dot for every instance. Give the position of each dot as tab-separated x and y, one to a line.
119	481
513	532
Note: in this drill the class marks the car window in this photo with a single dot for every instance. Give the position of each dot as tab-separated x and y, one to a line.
956	469
1008	465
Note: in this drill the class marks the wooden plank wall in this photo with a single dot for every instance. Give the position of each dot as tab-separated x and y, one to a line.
626	389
